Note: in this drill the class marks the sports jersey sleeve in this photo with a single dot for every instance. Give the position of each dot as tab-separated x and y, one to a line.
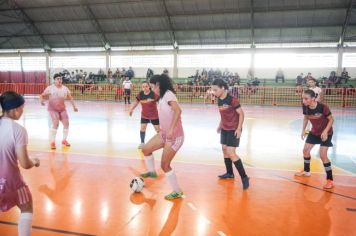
171	97
138	97
47	91
235	103
326	111
21	137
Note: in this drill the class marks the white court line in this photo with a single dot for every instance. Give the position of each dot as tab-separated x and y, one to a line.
221	233
191	205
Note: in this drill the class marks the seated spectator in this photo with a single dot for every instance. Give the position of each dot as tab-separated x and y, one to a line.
299	80
149	74
130	73
345	75
280	75
237	78
165	72
100	72
333	80
306	78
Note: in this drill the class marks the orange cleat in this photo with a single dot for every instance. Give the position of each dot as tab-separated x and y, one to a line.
53	146
65	143
329	184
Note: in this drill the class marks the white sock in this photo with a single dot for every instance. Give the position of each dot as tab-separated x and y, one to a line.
52	135
172	180
150	163
25	224
65	134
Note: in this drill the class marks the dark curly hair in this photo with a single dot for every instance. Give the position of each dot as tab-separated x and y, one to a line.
165	84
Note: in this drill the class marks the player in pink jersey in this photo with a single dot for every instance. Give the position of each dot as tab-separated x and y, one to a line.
57	93
170	138
13	151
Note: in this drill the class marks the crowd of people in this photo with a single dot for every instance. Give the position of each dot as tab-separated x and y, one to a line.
205	78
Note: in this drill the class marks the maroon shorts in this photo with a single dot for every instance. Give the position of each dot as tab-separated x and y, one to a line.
17	197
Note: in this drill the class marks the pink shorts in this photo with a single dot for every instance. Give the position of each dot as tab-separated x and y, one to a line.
55	115
18	197
177	142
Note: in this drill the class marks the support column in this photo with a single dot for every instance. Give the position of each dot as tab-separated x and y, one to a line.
340	52
107	61
175	64
252	62
48	72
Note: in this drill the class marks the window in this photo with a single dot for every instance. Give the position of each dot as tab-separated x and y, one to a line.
289	60
34	63
10	64
78	62
143	61
214	61
349	60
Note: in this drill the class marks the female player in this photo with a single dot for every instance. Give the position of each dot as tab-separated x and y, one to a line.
13	150
57	94
149	113
230	129
321	133
170	138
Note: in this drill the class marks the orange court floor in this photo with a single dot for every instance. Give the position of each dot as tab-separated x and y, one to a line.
84	189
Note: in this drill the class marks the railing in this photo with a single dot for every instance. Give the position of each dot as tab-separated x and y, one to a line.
277	96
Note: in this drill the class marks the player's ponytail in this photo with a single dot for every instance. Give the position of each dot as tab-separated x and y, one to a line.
221	84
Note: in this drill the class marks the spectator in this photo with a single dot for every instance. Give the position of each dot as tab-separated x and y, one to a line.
100	72
165	72
237	78
280	75
345	75
308	77
149	74
130	73
299	80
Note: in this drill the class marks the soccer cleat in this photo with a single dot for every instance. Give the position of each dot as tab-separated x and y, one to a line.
53	146
245	182
149	175
174	195
226	176
140	146
65	143
302	173
329	184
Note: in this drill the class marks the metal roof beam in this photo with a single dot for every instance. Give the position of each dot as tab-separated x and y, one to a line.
352	4
29	23
97	27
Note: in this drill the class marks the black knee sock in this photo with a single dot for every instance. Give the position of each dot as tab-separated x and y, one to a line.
307	164
228	165
240	168
328	170
125	99
128	99
142	135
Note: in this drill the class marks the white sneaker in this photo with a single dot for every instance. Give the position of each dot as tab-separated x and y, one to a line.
302	173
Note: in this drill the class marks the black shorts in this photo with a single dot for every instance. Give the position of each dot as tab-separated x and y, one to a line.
313	139
146	121
228	138
127	92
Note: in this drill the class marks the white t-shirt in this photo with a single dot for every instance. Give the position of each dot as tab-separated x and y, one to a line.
127	84
57	96
12	136
317	92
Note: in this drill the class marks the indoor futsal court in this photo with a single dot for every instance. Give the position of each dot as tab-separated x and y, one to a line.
178	117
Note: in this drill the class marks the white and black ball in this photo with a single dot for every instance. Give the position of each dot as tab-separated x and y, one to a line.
137	184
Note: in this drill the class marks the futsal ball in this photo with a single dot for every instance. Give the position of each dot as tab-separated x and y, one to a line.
137	184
